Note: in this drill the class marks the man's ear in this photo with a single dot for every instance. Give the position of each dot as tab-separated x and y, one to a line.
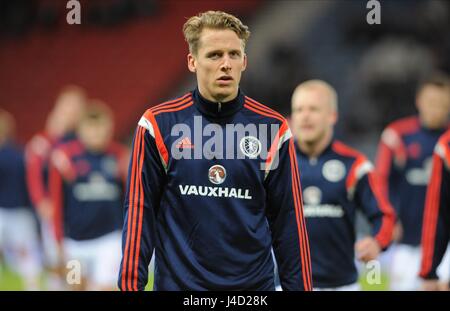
191	62
245	62
334	118
418	103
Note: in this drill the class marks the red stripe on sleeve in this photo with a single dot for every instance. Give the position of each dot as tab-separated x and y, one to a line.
383	166
126	277
352	177
303	237
263	107
431	215
179	105
274	148
135	211
56	194
140	213
266	113
384	235
34	178
171	103
158	137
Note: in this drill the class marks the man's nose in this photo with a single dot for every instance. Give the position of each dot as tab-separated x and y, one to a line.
304	115
226	64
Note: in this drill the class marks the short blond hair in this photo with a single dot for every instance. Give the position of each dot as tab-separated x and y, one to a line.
71	90
193	27
97	111
321	85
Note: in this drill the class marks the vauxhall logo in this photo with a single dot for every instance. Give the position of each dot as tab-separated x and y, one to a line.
219	192
217	175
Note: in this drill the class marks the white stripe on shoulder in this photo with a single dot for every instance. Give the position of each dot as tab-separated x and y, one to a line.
444	153
363	169
148	125
284	138
440	150
391	138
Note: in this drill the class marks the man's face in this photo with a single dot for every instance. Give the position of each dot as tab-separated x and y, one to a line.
6	127
312	115
69	110
97	135
433	104
218	63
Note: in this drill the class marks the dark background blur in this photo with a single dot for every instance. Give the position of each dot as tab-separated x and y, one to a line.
132	55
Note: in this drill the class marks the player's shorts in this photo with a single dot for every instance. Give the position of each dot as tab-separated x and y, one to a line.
19	240
49	244
99	259
346	288
405	266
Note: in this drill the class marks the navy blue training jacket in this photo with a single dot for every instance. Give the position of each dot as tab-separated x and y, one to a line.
436	220
404	164
212	203
335	185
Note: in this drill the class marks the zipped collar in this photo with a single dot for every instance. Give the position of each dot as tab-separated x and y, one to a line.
218	109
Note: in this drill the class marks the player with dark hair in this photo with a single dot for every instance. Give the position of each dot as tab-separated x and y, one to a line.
87	182
436	220
404	164
337	181
213	211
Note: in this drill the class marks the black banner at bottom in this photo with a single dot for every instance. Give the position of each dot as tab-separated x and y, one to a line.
230	301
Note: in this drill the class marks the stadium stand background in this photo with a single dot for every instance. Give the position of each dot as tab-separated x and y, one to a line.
127	53
132	55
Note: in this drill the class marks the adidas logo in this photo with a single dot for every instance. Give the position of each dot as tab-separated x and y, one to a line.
185	143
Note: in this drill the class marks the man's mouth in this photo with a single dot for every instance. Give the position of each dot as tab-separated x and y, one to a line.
225	78
306	127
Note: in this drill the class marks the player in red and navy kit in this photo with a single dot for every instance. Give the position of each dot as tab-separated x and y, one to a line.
436	220
87	182
404	164
336	181
213	182
60	128
18	227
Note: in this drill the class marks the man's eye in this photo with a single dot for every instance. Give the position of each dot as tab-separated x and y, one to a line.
214	55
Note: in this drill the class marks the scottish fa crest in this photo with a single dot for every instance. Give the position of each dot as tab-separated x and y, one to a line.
333	170
250	146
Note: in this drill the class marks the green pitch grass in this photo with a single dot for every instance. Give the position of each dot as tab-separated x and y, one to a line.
382	286
10	281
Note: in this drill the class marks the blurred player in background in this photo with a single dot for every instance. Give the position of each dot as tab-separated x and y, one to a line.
336	181
18	227
87	184
60	127
404	164
436	220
